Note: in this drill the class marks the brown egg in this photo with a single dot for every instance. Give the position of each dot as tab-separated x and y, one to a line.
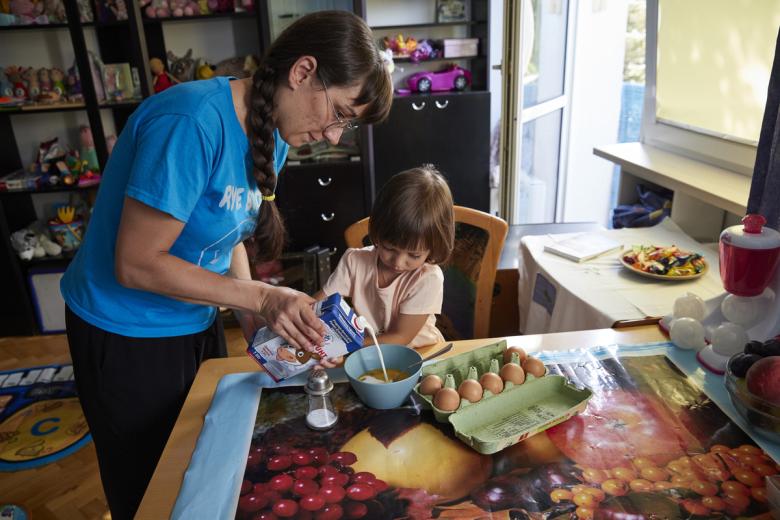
492	382
508	354
534	367
470	390
430	384
446	399
512	373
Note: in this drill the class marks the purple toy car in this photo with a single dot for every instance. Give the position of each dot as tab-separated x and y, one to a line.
451	78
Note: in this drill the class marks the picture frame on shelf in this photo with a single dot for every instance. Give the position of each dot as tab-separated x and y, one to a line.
118	82
448	11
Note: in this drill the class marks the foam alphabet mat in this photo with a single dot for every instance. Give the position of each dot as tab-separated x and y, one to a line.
40	417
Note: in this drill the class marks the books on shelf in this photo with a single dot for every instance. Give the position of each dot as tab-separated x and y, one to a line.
583	247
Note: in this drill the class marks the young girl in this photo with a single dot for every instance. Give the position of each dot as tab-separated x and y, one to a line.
396	284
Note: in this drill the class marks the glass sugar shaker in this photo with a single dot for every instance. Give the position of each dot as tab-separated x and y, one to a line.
321	414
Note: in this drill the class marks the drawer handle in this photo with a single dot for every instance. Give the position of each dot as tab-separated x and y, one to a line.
327	218
417	107
324	182
442	104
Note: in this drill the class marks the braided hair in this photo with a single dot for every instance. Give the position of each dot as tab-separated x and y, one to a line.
346	55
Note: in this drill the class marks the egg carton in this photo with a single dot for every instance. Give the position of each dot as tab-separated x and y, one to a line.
498	421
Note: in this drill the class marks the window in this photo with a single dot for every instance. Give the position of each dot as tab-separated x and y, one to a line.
709	63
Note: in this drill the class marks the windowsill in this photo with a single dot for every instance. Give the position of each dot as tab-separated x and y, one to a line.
724	189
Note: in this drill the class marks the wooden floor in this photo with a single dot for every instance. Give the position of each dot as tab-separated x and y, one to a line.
70	488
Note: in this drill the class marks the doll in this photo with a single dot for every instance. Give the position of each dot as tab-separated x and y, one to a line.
31	80
57	83
44	81
162	79
85	11
87	151
14	74
74	84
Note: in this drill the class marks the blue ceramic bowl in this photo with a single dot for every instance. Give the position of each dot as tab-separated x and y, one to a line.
387	395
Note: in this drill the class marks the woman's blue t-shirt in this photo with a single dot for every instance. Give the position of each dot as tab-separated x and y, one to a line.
183	152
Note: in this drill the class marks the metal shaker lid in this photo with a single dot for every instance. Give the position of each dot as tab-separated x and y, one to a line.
318	383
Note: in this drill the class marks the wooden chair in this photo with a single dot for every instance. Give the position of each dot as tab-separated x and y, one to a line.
469	275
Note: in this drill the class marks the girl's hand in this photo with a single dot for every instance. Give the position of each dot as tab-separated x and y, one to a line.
289	313
330	362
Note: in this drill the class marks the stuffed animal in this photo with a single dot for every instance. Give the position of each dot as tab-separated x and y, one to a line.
55	11
26	244
204	70
27	11
162	78
184	8
183	69
156	9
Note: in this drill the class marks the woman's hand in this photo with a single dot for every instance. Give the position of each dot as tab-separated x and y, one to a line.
289	313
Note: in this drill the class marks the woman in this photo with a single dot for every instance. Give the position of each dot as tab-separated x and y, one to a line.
190	173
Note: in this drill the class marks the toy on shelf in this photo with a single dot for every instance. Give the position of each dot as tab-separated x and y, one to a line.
67	228
182	68
221	6
87	150
29	243
426	50
452	77
401	47
204	70
74	84
184	8
239	67
162	78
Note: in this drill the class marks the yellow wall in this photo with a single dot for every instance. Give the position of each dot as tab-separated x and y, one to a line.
714	62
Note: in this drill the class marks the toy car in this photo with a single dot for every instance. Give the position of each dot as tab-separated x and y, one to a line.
451	78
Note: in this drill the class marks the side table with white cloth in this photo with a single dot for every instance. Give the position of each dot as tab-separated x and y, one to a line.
559	295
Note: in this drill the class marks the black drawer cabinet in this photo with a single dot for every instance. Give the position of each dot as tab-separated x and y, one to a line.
319	201
451	131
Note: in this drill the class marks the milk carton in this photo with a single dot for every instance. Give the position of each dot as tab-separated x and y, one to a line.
342	336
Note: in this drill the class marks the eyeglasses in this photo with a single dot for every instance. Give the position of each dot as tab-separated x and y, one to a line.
340	123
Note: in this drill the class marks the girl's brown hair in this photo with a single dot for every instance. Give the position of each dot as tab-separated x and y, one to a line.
346	55
413	211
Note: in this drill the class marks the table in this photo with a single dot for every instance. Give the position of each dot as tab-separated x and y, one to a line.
558	295
504	312
164	487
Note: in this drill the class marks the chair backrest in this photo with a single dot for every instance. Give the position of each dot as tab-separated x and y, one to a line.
469	275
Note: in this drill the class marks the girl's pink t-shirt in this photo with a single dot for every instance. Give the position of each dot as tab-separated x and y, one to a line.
413	292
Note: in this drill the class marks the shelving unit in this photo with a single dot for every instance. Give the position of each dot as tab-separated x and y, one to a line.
132	41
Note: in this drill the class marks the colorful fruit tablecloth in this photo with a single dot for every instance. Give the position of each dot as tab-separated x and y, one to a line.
659	436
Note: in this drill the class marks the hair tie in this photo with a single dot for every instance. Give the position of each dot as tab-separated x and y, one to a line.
269	198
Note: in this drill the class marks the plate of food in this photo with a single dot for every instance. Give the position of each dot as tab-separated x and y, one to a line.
664	262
